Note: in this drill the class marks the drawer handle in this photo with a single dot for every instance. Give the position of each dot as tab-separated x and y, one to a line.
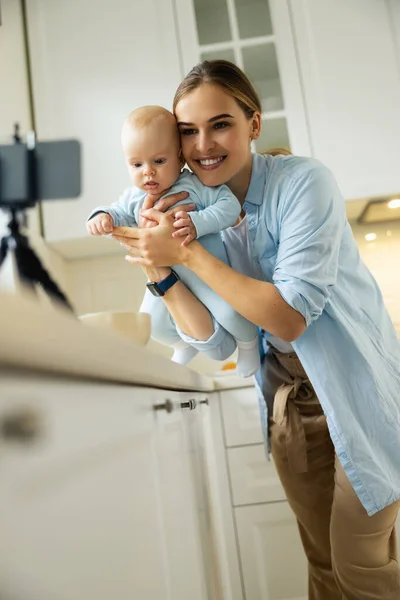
20	426
167	406
190	404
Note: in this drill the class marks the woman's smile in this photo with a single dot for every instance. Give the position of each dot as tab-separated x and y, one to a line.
210	163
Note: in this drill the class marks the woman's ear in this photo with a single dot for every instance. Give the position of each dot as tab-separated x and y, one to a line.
255	126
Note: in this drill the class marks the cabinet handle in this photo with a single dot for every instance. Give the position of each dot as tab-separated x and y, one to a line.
190	404
167	406
20	426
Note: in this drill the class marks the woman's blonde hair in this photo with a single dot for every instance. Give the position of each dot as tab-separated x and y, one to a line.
232	81
227	76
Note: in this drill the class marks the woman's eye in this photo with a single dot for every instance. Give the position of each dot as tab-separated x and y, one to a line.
221	125
188	131
160	161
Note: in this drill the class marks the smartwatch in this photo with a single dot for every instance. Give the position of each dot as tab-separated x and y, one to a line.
159	288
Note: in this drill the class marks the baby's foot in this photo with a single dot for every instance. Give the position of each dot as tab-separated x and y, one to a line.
183	353
248	358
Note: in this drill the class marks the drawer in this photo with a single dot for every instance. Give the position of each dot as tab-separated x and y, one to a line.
253	477
241	417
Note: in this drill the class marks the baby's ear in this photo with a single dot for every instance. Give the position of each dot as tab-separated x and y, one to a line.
181	159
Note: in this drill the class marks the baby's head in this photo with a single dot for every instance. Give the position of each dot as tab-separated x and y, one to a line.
150	141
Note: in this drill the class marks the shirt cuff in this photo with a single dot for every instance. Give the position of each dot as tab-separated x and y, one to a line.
220	346
311	308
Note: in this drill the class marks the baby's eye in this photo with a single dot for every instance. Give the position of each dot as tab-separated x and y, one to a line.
188	131
136	165
160	161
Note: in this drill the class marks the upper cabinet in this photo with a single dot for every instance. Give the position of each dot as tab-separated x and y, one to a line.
91	65
242	31
328	74
349	73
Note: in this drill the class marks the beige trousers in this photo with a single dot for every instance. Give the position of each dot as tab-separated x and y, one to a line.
351	556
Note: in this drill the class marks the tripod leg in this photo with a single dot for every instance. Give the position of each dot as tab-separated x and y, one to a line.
32	270
3	250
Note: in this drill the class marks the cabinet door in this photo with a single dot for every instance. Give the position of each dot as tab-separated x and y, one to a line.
91	65
273	562
253	477
177	474
349	71
80	506
241	417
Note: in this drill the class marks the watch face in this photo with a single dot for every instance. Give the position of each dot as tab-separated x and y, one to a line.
154	289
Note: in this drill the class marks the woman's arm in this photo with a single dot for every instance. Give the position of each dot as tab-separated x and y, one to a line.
189	314
258	301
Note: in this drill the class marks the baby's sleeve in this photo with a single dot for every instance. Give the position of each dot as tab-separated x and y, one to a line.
217	209
220	346
124	212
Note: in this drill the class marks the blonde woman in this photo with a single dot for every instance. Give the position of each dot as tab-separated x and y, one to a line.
330	376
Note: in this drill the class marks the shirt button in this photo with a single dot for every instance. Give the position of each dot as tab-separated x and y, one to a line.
343	455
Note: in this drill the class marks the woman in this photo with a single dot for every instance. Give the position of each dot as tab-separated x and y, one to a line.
330	375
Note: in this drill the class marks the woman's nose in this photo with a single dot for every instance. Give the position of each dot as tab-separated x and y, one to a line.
205	143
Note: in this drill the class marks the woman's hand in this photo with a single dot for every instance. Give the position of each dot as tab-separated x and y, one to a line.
153	247
166	205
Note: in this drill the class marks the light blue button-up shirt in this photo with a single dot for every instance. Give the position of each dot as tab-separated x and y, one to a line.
304	245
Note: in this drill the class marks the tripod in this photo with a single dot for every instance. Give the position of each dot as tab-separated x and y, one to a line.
30	269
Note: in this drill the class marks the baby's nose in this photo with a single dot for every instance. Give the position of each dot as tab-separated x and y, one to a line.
149	170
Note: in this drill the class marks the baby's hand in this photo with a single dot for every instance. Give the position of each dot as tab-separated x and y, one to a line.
100	224
185	226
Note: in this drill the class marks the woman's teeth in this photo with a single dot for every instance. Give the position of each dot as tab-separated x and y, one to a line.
211	161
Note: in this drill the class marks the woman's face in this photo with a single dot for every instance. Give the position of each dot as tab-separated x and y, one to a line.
215	135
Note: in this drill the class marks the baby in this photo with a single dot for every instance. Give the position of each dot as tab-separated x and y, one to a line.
151	145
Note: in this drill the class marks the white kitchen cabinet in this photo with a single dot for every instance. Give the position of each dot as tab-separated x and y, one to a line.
327	74
273	562
96	494
349	73
253	478
91	65
182	507
241	417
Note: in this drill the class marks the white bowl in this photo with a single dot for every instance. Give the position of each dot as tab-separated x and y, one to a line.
134	326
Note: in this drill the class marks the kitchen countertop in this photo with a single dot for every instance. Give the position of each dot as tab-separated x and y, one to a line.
40	337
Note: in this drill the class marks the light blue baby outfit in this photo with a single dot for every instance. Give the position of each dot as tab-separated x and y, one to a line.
217	209
303	243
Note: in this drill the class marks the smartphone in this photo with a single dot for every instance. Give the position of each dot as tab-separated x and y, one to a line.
49	172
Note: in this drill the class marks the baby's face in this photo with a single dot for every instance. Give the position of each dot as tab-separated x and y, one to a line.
152	157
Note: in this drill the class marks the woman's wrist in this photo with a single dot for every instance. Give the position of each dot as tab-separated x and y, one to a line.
156	273
189	254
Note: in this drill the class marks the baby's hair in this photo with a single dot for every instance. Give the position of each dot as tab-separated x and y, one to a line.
149	116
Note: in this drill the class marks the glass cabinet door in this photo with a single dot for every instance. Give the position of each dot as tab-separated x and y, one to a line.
241	31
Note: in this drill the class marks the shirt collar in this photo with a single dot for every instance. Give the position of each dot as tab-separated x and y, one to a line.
255	193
